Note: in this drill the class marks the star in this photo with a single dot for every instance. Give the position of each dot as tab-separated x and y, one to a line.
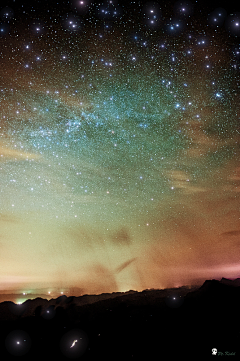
73	344
119	139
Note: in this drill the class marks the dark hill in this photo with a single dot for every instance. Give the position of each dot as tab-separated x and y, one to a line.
149	325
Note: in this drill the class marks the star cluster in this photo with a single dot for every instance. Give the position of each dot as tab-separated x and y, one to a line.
119	134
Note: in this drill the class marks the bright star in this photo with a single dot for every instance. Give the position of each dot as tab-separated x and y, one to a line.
73	344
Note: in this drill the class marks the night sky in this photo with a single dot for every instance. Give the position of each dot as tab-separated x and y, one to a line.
119	144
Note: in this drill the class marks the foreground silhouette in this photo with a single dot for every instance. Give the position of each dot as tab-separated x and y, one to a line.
200	323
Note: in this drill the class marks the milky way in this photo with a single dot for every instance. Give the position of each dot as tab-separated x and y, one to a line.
119	144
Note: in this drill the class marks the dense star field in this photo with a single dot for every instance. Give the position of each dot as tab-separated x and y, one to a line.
119	135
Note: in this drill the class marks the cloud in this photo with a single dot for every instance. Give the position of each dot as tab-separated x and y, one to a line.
231	233
4	217
125	264
13	280
236	174
180	179
121	237
201	144
14	154
99	279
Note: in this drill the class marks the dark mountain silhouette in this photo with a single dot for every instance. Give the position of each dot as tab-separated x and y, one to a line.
148	325
235	283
